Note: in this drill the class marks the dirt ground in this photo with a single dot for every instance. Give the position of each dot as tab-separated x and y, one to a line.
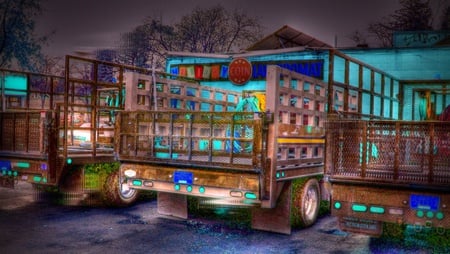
27	226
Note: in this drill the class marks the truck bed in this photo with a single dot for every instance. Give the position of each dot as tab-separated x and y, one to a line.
414	154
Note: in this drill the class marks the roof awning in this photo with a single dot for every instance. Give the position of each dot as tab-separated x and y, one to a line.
288	37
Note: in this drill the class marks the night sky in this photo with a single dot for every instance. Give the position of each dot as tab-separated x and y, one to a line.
89	24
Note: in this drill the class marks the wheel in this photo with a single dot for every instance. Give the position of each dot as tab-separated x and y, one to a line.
115	194
306	203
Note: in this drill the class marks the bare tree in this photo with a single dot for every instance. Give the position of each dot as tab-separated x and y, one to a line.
145	42
52	65
213	30
18	44
216	30
445	20
414	15
358	38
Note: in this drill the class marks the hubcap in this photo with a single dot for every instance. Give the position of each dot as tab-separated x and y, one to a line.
311	201
125	191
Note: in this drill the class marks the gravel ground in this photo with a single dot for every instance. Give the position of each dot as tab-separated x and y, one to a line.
27	226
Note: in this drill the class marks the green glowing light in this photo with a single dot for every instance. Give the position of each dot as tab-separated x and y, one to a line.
177	187
376	209
430	214
359	208
137	182
337	205
420	214
201	189
250	195
439	216
189	188
37	178
69	160
23	165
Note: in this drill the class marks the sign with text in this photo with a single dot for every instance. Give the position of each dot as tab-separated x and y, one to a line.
239	69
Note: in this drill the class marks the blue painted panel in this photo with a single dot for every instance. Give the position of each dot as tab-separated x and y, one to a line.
407	63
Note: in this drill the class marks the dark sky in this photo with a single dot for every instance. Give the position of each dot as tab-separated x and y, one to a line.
91	24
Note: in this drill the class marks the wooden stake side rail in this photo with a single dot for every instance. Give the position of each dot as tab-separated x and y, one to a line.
221	140
296	143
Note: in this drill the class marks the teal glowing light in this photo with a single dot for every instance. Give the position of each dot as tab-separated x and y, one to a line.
359	208
376	209
337	205
177	187
201	189
23	164
69	161
420	214
137	182
189	188
439	215
250	195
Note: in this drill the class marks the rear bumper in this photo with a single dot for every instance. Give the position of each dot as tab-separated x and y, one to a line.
358	205
222	187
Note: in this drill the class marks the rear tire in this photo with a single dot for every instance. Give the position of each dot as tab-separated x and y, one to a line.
115	195
306	203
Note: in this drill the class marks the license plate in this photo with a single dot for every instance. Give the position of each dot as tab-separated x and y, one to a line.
183	177
5	165
424	202
361	226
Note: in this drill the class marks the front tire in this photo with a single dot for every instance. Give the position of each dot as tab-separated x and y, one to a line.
115	194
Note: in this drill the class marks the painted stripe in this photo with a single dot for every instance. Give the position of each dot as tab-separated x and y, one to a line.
301	140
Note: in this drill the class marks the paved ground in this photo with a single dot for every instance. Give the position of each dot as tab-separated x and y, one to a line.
27	226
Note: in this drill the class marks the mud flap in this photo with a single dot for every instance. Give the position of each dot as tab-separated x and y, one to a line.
7	182
172	205
276	219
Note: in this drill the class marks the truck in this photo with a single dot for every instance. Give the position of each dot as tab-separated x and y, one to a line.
395	172
221	147
269	151
57	132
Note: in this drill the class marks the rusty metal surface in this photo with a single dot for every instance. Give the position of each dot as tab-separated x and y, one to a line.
22	132
396	204
391	152
200	138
